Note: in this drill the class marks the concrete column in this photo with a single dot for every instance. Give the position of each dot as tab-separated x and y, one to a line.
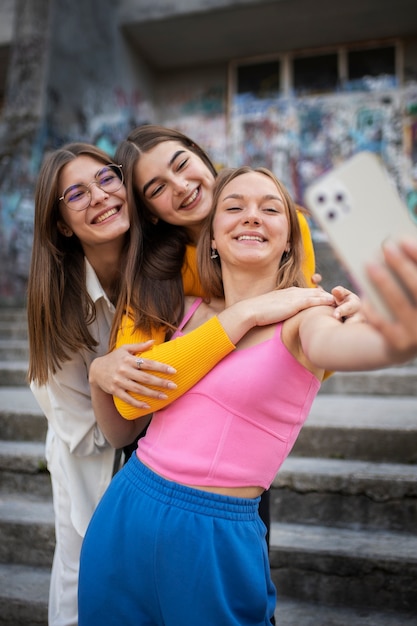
21	143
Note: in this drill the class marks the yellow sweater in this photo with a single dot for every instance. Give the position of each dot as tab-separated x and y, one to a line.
204	347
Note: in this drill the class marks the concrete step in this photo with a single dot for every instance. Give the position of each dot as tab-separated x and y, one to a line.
348	494
296	613
374	428
13	329
23	469
20	415
24	595
14	350
22	456
10	314
27	530
349	568
395	381
13	373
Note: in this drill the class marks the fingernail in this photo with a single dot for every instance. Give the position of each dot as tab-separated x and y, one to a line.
162	396
172	386
171	370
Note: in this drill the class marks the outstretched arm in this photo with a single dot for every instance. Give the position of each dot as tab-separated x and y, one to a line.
327	343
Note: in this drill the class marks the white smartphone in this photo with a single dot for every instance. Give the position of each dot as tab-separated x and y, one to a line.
359	207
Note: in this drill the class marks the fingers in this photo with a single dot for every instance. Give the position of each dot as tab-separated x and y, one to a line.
409	246
403	262
141	380
154	366
349	305
397	284
316	278
397	295
401	336
314	297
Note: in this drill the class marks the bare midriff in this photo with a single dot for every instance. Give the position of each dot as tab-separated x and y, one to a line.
233	492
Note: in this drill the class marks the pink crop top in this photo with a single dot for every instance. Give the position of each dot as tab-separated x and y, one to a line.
238	424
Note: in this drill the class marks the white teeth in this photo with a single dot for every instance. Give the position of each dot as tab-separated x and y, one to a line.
191	198
250	238
105	215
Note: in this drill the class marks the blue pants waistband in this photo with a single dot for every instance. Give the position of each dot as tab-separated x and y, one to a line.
181	496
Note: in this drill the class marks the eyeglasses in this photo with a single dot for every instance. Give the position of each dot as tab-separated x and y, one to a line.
109	179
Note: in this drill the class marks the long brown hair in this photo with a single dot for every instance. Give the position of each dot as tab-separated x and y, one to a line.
152	287
59	308
289	272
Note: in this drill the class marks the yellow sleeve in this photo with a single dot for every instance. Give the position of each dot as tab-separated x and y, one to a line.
203	347
190	279
309	261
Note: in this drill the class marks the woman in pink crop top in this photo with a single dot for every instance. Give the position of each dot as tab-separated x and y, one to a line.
181	516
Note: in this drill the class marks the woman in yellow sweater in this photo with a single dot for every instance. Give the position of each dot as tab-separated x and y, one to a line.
169	181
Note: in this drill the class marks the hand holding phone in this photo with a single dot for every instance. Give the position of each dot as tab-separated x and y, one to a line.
359	208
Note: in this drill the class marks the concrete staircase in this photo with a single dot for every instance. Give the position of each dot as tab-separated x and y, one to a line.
26	514
344	505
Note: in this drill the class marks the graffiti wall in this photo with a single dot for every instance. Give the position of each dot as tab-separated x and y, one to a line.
18	177
199	112
299	139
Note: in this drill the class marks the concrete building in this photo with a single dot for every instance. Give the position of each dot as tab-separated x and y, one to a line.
290	84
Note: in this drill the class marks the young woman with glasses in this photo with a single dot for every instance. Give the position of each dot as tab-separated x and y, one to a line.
81	232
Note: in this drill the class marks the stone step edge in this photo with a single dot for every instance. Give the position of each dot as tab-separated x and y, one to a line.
290	612
379	481
373	545
23	510
26	457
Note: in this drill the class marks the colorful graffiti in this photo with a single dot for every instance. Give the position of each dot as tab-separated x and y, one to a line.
297	138
302	138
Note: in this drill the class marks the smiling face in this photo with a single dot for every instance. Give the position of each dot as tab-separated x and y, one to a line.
250	226
105	220
176	185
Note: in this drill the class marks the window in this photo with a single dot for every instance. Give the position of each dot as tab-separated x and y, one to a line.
261	80
371	68
342	69
315	74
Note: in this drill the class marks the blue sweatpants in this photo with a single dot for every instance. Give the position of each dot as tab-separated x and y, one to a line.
161	554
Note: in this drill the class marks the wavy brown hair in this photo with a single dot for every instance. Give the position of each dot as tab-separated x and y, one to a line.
59	308
289	273
152	287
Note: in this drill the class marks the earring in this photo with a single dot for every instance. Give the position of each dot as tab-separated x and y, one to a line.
214	254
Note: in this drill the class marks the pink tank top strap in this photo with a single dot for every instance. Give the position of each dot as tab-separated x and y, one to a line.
188	316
